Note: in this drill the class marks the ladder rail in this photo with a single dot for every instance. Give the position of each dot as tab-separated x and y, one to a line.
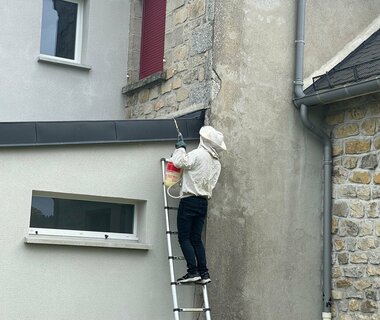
173	283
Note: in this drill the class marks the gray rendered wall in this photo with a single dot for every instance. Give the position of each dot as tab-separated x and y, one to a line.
41	281
264	227
32	90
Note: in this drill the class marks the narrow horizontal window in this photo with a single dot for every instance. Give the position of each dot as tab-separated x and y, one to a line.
61	30
73	217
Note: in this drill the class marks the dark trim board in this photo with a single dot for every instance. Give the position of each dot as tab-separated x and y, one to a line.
18	134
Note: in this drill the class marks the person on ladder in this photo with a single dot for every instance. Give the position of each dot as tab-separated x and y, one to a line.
201	170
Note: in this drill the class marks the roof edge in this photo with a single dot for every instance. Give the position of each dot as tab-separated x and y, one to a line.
345	52
53	133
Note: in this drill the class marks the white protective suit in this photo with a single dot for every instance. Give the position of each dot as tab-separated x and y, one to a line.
201	167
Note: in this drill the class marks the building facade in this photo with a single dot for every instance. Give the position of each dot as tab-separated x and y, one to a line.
236	60
269	201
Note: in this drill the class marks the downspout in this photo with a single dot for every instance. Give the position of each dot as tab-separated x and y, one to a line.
327	158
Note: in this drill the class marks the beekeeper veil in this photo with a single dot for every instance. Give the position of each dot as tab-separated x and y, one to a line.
212	140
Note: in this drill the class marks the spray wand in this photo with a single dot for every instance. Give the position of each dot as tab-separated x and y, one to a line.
180	137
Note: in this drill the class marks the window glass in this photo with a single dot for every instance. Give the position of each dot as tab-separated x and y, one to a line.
59	28
93	216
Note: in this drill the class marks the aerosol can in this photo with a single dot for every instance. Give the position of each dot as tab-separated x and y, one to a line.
173	175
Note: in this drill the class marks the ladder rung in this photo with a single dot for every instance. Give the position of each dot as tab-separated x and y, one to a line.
171	208
176	257
192	309
171	232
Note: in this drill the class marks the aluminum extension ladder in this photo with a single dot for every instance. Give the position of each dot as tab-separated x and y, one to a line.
176	309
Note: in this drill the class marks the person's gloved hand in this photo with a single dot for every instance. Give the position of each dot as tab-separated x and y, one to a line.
180	144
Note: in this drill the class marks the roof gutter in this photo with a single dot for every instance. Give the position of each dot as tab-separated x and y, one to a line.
303	102
348	91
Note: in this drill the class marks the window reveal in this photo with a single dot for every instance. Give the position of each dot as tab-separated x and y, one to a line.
83	218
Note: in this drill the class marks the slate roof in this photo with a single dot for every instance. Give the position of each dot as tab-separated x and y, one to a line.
363	63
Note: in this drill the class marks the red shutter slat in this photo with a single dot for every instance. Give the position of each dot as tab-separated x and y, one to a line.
152	37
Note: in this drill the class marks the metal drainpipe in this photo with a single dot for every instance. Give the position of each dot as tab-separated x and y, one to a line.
327	159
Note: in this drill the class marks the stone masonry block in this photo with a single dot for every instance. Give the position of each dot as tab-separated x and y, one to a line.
358	258
357	210
372	210
376	143
336	272
200	93
350	162
337	149
345	191
356	113
335	118
369	162
354	272
368	243
144	95
366	228
363	192
362	177
354	304
351	244
376	178
373	270
174	4
180	16
377	229
337	294
357	146
348	228
368	127
180	53
343	283
197	8
362	284
339	244
182	94
343	258
201	39
369	306
346	130
334	225
340	208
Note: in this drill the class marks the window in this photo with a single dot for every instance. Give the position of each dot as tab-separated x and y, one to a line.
84	218
61	32
152	37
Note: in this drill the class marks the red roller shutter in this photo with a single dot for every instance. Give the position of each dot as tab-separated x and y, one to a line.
152	37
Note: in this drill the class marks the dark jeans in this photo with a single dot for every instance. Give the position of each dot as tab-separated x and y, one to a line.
191	216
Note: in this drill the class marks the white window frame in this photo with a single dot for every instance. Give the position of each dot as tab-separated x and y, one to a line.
82	233
78	37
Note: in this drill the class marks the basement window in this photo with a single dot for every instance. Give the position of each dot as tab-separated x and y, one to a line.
76	217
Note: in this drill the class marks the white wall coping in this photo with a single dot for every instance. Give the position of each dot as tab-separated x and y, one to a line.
86	242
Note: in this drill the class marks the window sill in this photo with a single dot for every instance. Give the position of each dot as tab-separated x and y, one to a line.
52	60
86	242
144	83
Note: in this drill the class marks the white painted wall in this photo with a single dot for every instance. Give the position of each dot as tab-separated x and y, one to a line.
82	283
34	91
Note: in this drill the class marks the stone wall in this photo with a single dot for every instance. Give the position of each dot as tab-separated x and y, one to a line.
355	130
187	80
